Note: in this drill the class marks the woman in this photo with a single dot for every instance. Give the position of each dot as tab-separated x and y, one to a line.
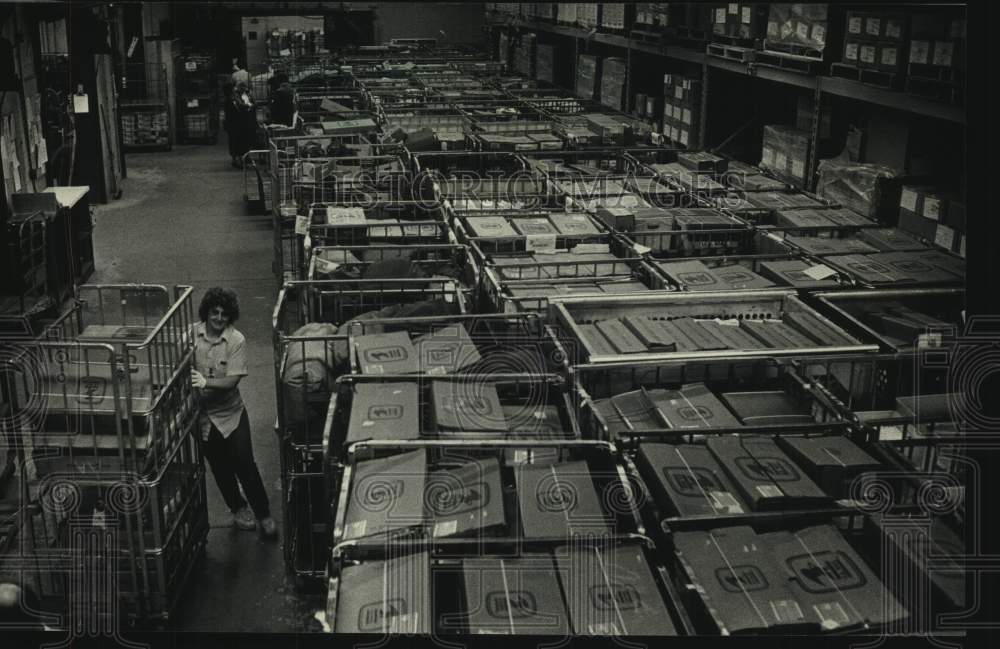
220	362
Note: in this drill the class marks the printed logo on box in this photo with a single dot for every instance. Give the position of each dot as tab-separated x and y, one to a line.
735	276
92	390
450	501
691	482
854	25
376	496
619	597
913	266
385	354
696	278
694	413
826	571
741	579
775	469
385	412
517	604
372	617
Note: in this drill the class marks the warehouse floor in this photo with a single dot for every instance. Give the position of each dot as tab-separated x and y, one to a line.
181	220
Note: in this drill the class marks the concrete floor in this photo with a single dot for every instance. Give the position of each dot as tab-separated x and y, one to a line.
181	220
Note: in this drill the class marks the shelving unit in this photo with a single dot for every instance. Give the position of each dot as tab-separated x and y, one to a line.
820	86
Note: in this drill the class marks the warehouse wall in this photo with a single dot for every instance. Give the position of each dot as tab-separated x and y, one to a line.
459	22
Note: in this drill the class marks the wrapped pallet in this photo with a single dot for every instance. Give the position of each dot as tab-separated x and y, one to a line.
545	58
797	27
785	152
612	82
586	76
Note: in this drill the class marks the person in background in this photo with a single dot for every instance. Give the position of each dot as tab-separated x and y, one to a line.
241	122
240	75
283	108
220	363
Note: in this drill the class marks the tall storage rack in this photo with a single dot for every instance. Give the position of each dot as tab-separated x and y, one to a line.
113	516
675	51
144	107
197	100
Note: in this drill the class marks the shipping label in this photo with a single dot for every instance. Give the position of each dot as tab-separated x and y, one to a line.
854	25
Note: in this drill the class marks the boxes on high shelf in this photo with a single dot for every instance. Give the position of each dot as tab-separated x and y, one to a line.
652	14
613	15
545	57
586	76
746	20
784	152
799	25
612	82
588	14
566	12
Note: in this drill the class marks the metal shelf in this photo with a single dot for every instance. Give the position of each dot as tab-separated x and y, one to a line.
892	99
830	85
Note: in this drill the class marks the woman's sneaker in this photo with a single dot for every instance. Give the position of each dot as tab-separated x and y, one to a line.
244	519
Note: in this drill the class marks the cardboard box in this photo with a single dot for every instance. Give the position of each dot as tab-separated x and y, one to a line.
832	571
466	406
943	261
776	335
533	226
917	225
889	240
518	596
595	341
391	596
384	411
559	500
466	500
792	273
650	334
541	421
701	161
445	350
915	268
574	224
617	218
766	478
611	592
822	333
767	408
391	353
825	246
686	480
730	334
846	217
802	218
692	406
868	268
698	335
489	226
832	461
739	278
742	588
620	337
692	275
629	411
398	480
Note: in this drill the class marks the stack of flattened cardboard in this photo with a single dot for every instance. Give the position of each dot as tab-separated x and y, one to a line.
611	591
391	596
765	477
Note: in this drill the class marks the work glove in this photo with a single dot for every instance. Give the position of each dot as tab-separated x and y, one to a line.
197	380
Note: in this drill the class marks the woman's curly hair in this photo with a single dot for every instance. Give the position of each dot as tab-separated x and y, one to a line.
218	296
